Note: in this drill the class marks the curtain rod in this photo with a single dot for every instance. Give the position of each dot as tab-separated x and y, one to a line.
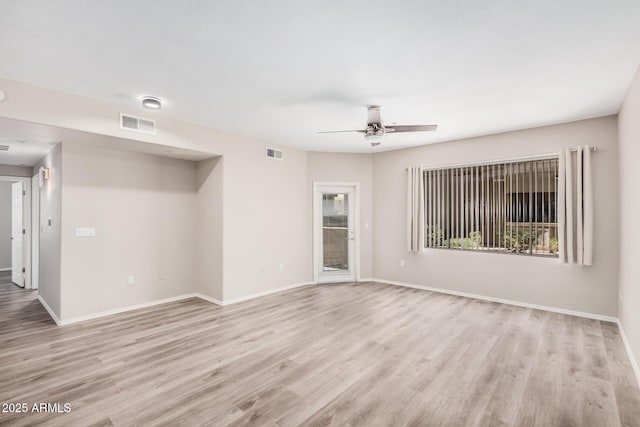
546	156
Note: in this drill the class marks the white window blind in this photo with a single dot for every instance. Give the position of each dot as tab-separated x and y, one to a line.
501	207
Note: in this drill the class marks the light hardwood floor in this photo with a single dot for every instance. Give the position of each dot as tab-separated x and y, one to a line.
360	354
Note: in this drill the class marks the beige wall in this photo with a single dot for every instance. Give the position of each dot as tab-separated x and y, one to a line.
526	279
629	130
144	210
5	225
264	202
337	167
266	220
50	237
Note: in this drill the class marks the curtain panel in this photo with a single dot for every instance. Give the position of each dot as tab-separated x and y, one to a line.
415	209
575	206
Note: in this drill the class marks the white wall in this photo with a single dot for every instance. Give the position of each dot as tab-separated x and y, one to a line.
50	237
144	210
338	167
5	225
526	279
629	130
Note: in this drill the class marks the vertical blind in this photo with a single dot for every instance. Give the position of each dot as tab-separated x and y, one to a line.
506	207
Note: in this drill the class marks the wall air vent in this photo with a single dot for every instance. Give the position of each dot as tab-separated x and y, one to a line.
273	153
4	147
137	124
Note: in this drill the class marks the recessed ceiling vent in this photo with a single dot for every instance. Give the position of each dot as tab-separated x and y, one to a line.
4	148
273	153
137	124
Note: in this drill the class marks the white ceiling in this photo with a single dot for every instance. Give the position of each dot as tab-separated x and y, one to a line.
283	70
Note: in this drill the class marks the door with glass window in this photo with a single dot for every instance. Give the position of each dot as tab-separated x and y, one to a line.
335	237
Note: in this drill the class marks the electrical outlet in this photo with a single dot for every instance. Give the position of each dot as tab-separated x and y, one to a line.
401	263
281	267
131	280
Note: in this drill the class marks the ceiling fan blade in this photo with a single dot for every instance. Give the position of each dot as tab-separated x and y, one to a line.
411	128
341	131
373	115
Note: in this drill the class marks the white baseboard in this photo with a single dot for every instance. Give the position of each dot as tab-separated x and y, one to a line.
265	293
49	310
632	359
5	269
366	279
209	299
500	300
124	309
164	301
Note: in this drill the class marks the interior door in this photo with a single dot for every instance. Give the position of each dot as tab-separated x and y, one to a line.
335	233
17	234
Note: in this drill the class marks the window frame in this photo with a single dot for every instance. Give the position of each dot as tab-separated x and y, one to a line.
501	249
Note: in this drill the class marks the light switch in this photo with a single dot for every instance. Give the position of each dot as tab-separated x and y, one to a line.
85	232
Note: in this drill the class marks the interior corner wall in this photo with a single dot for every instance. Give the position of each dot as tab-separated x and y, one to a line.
343	167
49	282
143	208
210	227
266	221
5	224
629	132
533	280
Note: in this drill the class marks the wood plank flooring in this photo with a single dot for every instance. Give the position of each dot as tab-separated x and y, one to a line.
354	354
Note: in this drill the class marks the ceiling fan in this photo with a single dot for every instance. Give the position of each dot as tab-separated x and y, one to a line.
375	130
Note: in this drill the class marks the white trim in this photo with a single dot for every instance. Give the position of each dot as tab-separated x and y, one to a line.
35	231
49	310
124	309
261	294
501	301
5	269
209	299
167	300
366	279
632	359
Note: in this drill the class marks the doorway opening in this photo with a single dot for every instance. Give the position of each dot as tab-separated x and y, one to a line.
15	231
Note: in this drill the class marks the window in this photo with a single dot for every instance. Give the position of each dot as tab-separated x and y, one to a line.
503	207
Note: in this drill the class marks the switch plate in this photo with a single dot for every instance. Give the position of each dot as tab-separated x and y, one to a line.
85	232
131	280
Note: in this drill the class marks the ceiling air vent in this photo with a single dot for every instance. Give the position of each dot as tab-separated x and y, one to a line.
137	124
272	153
4	148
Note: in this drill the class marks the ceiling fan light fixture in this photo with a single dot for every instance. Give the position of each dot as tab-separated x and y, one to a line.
151	102
375	138
375	131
